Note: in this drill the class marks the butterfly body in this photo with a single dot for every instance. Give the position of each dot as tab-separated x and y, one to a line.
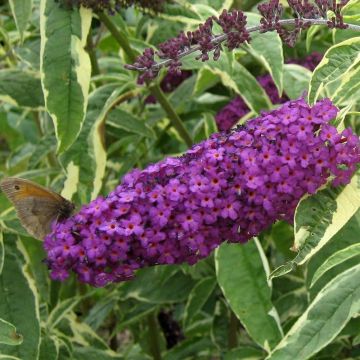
36	206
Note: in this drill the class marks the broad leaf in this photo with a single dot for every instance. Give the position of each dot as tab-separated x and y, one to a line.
296	80
336	259
267	48
318	218
65	67
85	160
338	69
160	284
242	276
49	348
329	312
19	303
21	88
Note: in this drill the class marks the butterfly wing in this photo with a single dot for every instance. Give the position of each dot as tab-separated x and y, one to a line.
36	206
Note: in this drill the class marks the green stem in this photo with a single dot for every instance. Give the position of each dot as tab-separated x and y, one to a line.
154	341
171	113
118	35
95	70
232	334
154	89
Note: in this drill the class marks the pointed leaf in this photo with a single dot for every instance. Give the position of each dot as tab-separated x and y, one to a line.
319	218
8	334
326	316
85	160
65	67
49	349
242	273
22	12
336	259
267	48
19	303
21	88
296	80
198	297
337	64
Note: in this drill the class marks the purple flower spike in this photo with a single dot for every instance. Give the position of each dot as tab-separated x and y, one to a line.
227	188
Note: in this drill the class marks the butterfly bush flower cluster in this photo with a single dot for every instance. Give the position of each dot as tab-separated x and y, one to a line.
235	32
227	188
230	114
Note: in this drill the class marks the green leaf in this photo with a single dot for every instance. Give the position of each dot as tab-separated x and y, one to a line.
90	353
160	284
242	275
46	145
65	68
21	88
296	80
83	334
318	218
326	316
339	63
236	77
2	251
121	119
19	303
36	254
22	12
85	161
351	8
190	348
60	311
347	236
244	353
8	334
267	48
205	79
220	329
348	89
197	298
49	348
336	259
310	33
100	311
283	270
135	314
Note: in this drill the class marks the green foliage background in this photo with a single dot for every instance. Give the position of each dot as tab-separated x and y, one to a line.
73	119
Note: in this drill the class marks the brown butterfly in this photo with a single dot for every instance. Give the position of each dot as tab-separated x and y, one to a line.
36	206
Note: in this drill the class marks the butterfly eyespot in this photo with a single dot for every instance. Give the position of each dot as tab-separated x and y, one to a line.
17	187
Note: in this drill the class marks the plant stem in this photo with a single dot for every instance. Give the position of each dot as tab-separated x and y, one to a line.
170	111
233	328
118	35
154	342
95	70
154	89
